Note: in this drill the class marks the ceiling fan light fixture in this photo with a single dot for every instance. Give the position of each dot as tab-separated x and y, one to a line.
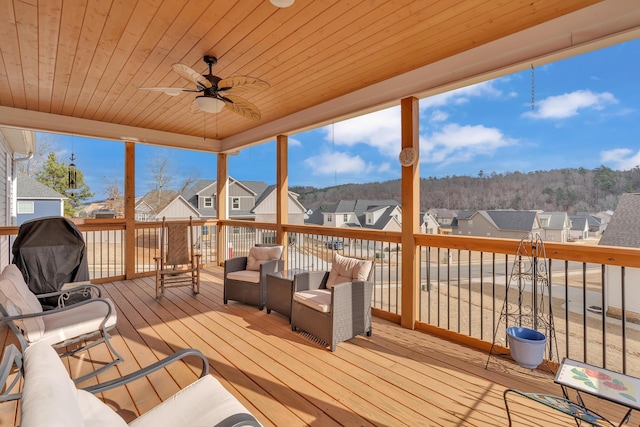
282	3
209	104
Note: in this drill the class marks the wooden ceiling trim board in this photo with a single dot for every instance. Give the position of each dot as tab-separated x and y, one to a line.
142	114
281	38
351	56
289	34
70	29
5	88
138	103
159	23
126	45
12	60
373	62
113	29
153	69
90	27
444	43
28	36
49	16
54	123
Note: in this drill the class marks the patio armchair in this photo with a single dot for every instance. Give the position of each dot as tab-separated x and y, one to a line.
87	322
245	277
178	263
334	306
49	397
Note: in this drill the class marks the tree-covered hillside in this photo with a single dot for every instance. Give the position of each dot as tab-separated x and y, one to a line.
568	190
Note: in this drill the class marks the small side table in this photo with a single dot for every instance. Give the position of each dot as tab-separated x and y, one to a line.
280	291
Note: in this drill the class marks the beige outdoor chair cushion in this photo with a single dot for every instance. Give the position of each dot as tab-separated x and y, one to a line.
345	269
317	299
18	299
250	276
260	254
81	319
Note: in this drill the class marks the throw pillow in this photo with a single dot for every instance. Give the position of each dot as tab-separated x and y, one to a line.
345	269
261	254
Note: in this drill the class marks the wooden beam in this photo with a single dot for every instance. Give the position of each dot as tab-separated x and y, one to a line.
222	205
410	214
282	191
129	209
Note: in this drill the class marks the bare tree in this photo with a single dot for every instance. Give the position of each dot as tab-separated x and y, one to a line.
160	168
194	176
45	144
115	199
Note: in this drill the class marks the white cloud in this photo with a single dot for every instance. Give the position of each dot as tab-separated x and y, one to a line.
384	167
621	158
380	130
438	116
568	104
455	144
337	162
293	142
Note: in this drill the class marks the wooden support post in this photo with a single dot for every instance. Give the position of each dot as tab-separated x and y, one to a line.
282	192
410	215
222	197
129	210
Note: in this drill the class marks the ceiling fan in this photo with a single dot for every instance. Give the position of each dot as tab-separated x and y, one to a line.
216	93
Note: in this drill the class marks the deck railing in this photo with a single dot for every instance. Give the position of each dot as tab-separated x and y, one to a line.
463	282
462	279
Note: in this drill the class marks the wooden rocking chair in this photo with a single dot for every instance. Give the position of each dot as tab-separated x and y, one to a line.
178	265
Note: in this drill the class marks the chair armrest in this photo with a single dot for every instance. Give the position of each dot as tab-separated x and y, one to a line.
7	318
350	291
141	373
310	280
64	294
11	357
235	264
271	266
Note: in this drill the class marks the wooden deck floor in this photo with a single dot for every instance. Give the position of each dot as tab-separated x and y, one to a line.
395	377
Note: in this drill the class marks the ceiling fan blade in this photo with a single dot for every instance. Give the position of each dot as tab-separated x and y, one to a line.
239	85
194	107
171	91
242	106
191	75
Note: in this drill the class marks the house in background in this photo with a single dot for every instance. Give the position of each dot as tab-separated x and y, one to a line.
555	226
15	146
579	228
502	224
36	200
623	230
157	204
370	214
248	200
595	223
444	217
430	224
265	207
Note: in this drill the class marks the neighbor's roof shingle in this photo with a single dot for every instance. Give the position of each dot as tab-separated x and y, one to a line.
623	229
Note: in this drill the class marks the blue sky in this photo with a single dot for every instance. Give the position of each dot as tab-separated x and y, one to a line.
587	114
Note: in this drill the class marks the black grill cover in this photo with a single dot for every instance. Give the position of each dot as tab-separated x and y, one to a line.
50	252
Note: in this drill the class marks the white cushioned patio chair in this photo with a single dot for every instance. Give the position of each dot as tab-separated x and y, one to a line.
334	306
49	397
85	322
245	277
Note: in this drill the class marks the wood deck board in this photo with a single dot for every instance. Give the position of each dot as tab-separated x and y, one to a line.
395	377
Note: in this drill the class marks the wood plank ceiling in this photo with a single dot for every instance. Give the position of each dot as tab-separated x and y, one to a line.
86	59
